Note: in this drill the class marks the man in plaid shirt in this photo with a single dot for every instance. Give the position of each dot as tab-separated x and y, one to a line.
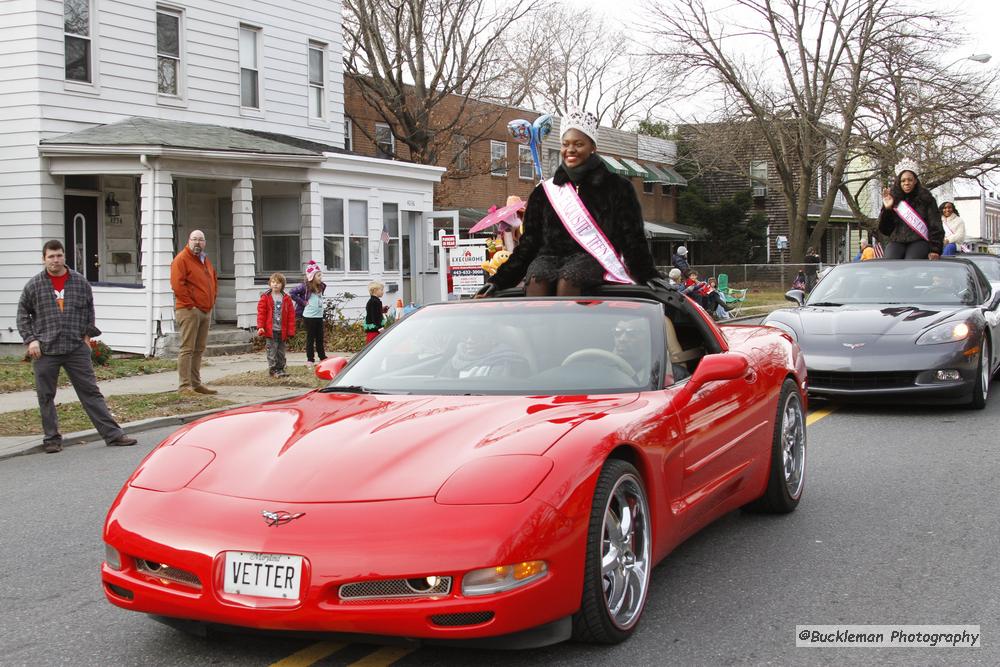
55	318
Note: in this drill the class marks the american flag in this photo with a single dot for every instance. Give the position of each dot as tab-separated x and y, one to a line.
385	237
878	249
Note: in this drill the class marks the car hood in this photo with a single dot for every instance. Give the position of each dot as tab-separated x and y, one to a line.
873	320
332	447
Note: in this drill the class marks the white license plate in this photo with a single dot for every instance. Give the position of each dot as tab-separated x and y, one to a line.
264	575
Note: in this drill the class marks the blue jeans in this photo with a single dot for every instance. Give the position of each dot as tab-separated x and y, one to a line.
950	249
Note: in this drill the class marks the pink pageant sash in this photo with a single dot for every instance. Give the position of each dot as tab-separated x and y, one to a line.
583	228
947	227
912	219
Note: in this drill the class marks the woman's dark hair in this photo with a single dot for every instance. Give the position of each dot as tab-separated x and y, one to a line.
948	203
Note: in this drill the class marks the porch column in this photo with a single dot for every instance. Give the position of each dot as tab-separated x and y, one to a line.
312	229
244	260
157	230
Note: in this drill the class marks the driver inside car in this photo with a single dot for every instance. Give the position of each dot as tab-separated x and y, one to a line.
632	343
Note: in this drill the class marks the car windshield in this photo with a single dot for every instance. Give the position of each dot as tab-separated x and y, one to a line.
515	347
902	282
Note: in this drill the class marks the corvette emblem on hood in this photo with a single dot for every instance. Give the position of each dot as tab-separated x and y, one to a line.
854	346
279	518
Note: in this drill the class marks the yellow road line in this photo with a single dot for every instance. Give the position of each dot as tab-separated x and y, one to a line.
384	656
816	415
310	654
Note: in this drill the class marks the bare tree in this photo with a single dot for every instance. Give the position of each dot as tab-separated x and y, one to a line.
828	85
422	65
576	59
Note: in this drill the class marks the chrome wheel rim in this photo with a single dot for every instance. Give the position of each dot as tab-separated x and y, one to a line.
625	552
793	444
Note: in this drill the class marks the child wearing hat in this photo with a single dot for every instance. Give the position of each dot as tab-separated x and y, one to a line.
548	258
308	299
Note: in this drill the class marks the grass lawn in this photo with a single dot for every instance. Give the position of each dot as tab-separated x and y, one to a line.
125	408
17	375
298	377
757	297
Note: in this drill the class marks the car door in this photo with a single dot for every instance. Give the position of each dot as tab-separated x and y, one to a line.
726	426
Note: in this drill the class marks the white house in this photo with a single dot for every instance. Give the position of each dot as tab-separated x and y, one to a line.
125	125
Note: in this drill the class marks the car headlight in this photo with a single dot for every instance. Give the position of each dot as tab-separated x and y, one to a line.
784	327
495	480
502	577
171	468
949	332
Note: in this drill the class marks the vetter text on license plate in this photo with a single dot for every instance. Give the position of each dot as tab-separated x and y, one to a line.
264	575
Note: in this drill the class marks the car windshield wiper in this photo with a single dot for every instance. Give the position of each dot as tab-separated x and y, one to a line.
351	389
824	303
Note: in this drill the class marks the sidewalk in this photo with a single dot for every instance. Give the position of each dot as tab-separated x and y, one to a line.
212	369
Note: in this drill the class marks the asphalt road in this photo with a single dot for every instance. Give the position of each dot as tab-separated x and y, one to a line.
899	525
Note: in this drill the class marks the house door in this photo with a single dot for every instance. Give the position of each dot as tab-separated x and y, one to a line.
429	253
82	251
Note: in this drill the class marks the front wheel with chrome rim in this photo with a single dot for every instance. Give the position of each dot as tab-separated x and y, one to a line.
618	564
788	455
981	390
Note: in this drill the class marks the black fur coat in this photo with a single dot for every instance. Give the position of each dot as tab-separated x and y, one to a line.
923	203
610	199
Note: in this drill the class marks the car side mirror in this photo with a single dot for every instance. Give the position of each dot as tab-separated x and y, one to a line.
796	296
995	300
713	368
328	368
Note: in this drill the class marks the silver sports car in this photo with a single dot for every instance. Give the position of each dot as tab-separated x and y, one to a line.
915	330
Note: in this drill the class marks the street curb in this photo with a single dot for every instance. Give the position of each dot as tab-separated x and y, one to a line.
34	445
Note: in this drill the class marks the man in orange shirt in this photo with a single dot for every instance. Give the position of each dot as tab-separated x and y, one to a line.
195	286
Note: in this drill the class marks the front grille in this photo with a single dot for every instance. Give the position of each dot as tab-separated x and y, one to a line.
878	380
464	618
163	571
394	588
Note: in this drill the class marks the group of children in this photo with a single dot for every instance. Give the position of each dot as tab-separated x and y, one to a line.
278	311
705	293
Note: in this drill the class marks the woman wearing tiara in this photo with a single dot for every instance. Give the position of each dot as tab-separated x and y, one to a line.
581	228
910	217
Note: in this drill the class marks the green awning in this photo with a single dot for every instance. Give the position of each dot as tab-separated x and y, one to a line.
615	166
639	170
666	175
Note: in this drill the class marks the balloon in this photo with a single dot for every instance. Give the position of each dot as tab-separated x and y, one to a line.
532	134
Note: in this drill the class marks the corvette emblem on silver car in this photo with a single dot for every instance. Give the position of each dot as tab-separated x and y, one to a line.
279	518
854	346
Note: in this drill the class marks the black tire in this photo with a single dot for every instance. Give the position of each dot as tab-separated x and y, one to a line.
595	622
785	486
981	390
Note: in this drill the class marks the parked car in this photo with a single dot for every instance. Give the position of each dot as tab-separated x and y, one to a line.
506	470
915	330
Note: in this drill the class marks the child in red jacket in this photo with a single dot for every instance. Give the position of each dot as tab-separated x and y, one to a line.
276	323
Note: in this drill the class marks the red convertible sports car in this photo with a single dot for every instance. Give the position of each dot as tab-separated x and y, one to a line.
504	470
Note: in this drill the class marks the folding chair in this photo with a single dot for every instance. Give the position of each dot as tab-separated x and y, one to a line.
735	298
723	280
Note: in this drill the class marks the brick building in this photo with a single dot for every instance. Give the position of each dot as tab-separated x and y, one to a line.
486	165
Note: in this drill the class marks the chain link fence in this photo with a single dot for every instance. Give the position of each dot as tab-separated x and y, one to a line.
752	275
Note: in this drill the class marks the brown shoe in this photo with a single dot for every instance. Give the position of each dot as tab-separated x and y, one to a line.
53	447
123	441
187	391
202	389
